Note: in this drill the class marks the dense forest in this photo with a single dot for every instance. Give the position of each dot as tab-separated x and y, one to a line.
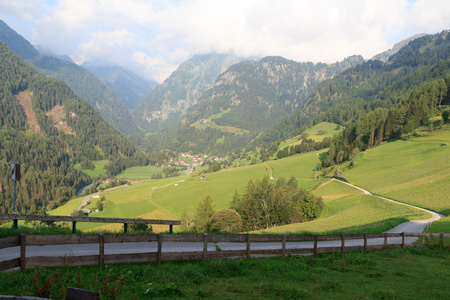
48	136
80	80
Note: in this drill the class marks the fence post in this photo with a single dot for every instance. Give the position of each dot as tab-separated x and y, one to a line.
403	239
315	246
342	243
170	228
365	241
101	250
158	254
74	226
248	245
385	240
205	246
283	246
442	239
15	224
23	246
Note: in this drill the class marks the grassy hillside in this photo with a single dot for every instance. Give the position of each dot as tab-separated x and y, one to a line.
326	130
98	171
140	172
348	210
414	171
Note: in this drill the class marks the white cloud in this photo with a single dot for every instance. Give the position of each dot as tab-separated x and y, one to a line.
154	37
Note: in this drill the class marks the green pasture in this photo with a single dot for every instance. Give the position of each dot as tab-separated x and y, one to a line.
349	210
416	171
174	197
442	225
98	171
127	201
210	123
221	185
140	172
313	133
67	208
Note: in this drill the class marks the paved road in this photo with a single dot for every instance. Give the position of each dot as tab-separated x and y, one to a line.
92	249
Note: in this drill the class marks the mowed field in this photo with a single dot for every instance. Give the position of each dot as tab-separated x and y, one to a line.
416	171
168	198
313	133
348	210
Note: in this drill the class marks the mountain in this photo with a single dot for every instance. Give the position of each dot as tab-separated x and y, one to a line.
246	99
374	86
384	56
254	95
81	81
128	85
47	128
169	101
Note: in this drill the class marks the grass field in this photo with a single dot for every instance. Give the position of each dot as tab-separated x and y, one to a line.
416	171
99	164
411	273
140	172
210	123
313	133
419	175
67	208
169	200
348	210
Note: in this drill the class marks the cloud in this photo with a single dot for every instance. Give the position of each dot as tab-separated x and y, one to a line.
154	37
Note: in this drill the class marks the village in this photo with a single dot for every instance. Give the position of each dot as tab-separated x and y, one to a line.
190	162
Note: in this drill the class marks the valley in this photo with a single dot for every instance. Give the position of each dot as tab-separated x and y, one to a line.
220	123
347	210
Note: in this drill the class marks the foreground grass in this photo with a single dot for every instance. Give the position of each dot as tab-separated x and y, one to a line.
412	273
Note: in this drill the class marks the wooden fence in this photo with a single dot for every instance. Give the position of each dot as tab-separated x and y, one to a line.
74	220
101	259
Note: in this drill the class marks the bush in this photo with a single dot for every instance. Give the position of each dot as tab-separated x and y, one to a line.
226	220
141	227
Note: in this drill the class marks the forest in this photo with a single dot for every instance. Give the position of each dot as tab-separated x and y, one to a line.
47	154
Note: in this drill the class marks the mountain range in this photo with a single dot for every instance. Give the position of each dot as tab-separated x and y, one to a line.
81	81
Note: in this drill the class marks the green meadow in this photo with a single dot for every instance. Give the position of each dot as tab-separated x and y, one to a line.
140	172
210	123
349	210
413	171
416	171
98	171
313	133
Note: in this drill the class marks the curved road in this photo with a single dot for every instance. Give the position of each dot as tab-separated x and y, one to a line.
119	248
412	226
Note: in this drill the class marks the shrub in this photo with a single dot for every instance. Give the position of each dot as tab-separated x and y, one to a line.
226	220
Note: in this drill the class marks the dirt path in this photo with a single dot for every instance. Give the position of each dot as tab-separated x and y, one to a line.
416	226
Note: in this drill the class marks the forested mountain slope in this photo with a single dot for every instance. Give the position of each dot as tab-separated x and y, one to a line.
246	99
353	93
257	94
128	85
169	101
81	81
47	128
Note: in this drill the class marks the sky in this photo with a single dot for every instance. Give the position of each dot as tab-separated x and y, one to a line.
152	38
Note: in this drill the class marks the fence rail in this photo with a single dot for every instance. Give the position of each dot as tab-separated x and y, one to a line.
101	259
74	220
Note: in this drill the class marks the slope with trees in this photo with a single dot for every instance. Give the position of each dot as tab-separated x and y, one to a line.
81	81
66	130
